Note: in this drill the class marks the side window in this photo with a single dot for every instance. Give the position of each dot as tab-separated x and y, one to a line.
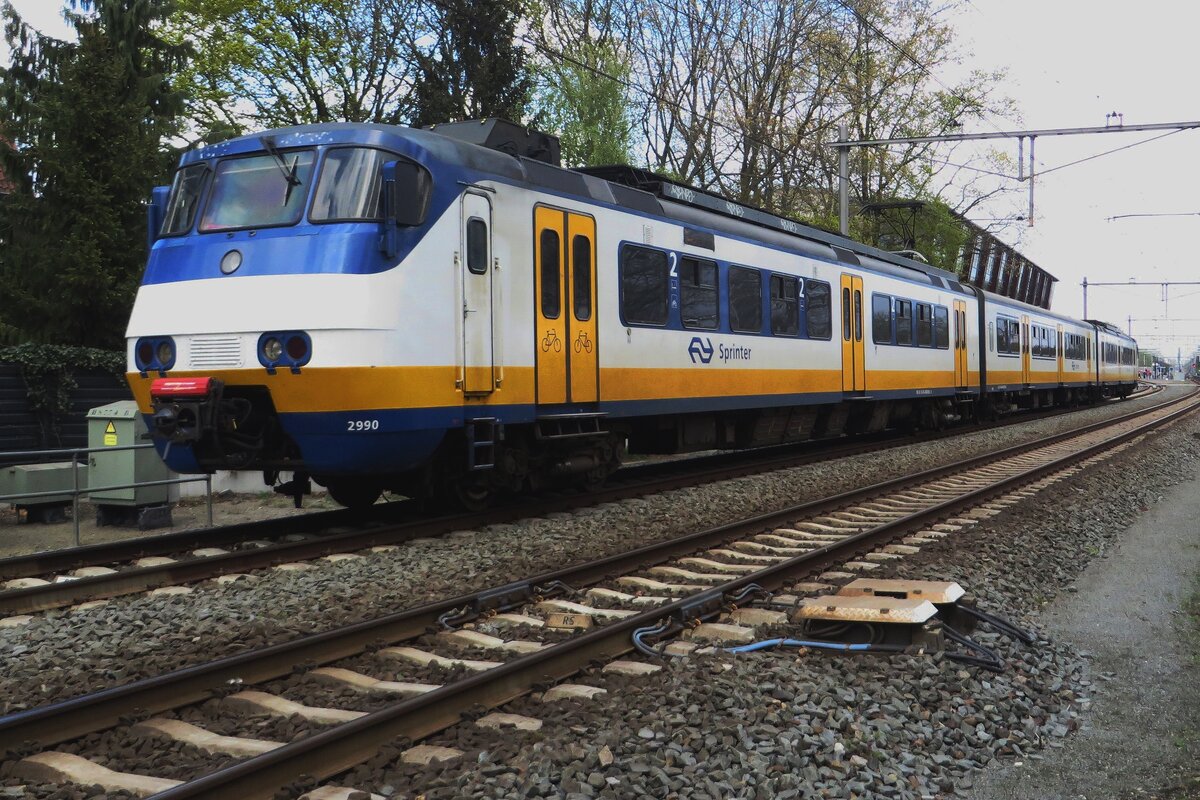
551	275
698	293
941	328
477	245
881	319
924	325
644	286
785	306
745	300
904	322
819	310
581	277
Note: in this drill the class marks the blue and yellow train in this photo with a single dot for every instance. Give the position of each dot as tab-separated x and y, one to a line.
446	312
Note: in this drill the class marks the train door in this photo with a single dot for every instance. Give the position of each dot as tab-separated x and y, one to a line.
960	344
477	352
565	341
854	373
1062	375
1025	348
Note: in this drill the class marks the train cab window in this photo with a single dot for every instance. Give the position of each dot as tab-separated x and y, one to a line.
698	293
259	191
184	198
551	275
645	286
581	277
349	186
941	328
819	311
477	255
904	322
881	319
924	325
785	306
745	300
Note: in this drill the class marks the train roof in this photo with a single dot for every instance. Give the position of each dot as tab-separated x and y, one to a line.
627	187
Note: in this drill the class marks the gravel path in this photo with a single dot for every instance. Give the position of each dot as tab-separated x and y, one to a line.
64	653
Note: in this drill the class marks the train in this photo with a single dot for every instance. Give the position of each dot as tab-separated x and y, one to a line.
446	313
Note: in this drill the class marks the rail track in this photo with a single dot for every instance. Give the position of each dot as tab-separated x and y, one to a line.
72	576
669	587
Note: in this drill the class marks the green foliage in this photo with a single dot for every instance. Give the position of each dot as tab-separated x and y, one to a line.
588	109
48	372
933	231
474	69
270	63
86	123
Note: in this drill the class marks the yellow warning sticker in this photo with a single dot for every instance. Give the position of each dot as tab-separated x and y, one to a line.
110	435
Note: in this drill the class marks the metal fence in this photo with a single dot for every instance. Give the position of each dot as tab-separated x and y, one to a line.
76	491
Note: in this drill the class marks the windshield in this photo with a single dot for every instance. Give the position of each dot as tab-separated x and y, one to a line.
259	191
349	185
185	197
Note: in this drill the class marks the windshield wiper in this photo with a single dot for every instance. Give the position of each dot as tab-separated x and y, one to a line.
289	173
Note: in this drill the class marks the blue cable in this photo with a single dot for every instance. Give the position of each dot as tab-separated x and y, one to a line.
763	645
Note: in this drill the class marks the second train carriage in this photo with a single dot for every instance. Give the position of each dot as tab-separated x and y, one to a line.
388	308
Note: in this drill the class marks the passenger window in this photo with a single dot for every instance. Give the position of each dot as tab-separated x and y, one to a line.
477	254
846	314
551	277
904	322
698	293
818	314
644	286
785	306
881	319
924	326
581	277
745	300
941	327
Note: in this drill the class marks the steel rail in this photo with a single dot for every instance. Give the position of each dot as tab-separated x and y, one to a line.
74	717
139	579
333	751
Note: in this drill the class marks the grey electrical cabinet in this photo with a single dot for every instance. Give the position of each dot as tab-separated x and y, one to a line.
111	429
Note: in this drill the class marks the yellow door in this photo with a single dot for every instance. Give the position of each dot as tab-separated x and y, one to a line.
565	340
1061	372
550	337
584	357
854	372
1025	349
960	344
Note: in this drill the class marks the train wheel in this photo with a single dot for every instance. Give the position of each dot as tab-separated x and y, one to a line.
352	494
473	494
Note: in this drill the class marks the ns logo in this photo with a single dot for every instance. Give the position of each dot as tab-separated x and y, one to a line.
700	350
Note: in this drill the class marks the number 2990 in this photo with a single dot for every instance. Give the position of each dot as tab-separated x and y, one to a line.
356	425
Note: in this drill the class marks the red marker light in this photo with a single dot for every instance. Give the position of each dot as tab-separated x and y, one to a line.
181	387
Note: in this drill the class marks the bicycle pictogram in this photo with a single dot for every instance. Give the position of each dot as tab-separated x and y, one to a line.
583	343
551	340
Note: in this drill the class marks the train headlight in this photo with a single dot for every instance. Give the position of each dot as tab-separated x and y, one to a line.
143	354
166	353
272	349
230	262
290	349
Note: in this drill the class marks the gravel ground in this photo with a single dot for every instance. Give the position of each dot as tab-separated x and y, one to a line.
764	725
21	538
785	725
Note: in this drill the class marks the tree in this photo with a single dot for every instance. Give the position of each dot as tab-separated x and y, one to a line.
586	106
474	68
85	124
270	63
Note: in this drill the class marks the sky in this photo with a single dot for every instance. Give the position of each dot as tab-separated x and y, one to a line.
1069	63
